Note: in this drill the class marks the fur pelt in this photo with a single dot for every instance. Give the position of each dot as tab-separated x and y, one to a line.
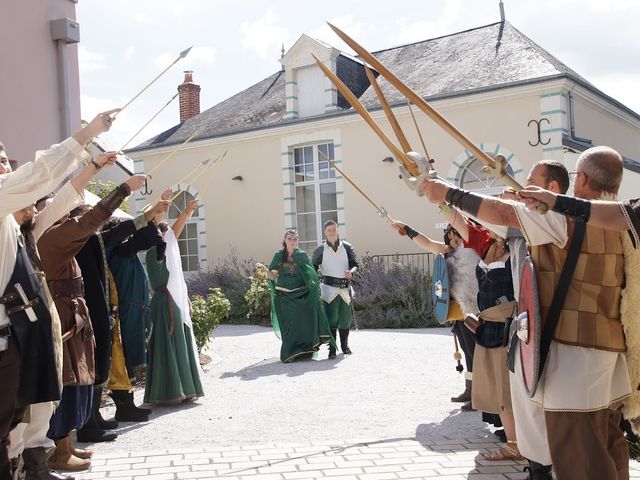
630	317
463	285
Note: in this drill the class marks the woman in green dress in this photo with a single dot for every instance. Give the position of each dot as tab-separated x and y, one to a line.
296	312
173	370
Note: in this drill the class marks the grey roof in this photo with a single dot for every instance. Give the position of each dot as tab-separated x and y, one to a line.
483	58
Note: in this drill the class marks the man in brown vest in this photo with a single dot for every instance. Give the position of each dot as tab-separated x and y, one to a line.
586	377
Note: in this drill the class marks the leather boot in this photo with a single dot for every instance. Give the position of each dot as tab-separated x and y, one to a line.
465	396
467	407
95	410
332	349
126	410
344	341
35	464
63	459
538	471
92	433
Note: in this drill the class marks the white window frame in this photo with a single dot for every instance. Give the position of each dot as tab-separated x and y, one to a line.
316	182
184	237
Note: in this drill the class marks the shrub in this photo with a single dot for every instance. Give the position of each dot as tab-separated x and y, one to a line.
258	299
398	297
233	277
206	314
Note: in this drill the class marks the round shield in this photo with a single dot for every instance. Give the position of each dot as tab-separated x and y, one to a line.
440	280
529	327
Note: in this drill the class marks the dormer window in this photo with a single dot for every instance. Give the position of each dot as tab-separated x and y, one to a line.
311	95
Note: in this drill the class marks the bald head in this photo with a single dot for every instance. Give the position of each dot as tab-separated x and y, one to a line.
603	169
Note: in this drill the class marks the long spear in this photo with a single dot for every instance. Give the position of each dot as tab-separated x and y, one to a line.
176	150
207	163
183	54
146	124
427	109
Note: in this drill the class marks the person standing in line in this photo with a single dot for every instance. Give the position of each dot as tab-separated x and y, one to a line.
173	367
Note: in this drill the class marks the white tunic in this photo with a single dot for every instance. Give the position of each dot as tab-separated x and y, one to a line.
23	187
334	264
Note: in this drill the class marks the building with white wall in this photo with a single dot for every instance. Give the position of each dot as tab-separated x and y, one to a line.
503	91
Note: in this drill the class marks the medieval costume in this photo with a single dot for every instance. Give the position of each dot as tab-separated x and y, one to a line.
133	292
297	315
491	389
93	265
58	247
122	255
17	190
173	369
585	377
332	261
30	439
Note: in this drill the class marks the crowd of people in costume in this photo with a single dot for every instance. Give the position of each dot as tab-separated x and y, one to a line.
574	420
79	314
76	314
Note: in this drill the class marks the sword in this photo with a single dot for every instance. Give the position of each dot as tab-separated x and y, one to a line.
28	309
353	310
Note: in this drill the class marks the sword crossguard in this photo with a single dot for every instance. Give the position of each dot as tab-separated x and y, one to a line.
498	170
424	167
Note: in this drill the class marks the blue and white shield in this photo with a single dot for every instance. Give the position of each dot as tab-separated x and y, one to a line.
440	280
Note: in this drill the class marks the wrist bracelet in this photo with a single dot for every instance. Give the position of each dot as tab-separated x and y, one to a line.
95	164
410	232
579	210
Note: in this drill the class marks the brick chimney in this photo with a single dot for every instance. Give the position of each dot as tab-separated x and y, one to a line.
189	97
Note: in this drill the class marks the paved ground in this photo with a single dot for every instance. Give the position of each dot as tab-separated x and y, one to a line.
381	413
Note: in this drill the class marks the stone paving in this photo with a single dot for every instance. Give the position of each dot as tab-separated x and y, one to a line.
448	459
381	413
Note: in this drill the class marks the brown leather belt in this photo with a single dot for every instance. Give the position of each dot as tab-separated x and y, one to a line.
73	287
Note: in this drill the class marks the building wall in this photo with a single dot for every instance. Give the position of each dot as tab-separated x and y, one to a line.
606	126
29	80
250	215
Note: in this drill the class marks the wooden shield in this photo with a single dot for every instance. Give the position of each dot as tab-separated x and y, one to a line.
529	327
440	280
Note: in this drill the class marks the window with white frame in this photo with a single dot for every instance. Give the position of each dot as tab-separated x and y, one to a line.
472	178
315	187
188	239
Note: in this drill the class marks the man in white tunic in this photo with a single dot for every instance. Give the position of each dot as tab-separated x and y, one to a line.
18	190
585	377
336	262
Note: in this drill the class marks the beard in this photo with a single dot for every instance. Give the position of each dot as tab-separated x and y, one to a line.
28	225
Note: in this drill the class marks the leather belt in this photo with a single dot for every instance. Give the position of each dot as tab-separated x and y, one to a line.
335	281
73	287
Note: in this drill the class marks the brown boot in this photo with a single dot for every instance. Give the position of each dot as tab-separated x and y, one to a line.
81	452
465	396
63	458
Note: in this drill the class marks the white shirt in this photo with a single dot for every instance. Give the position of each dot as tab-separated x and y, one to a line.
25	186
575	378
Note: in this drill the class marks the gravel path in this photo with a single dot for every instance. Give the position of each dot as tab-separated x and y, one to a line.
397	384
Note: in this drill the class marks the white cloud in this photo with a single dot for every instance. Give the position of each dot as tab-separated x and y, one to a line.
90	61
263	36
345	23
128	53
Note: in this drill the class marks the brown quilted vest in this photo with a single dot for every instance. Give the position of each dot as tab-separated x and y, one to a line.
591	314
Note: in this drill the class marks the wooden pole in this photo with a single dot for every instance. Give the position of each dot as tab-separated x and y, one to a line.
120	151
183	54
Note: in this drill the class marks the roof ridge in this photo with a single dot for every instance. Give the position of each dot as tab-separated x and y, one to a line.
438	38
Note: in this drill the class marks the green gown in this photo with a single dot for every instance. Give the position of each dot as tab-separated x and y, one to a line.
172	368
297	316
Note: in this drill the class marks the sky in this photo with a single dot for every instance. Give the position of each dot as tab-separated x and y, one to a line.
125	43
